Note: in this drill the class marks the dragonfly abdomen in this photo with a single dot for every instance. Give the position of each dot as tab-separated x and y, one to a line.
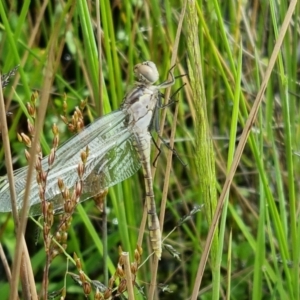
142	145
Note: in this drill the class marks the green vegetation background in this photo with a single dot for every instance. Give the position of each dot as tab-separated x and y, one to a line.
256	255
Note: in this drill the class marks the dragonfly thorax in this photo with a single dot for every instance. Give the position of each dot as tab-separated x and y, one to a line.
140	109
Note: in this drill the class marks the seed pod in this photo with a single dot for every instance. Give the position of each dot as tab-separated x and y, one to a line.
86	288
66	194
60	184
41	192
55	129
107	294
46	229
58	236
68	207
122	286
51	157
27	155
111	282
80	169
98	295
19	137
54	253
64	237
71	127
26	140
82	276
78	188
31	109
140	249
30	127
120	271
55	141
64	119
134	268
137	256
44	175
74	198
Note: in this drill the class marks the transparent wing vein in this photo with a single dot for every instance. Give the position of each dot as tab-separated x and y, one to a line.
112	158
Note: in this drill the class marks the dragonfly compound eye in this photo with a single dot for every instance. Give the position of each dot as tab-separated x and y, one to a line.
146	72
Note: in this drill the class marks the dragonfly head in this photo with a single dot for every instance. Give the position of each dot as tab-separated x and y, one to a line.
146	72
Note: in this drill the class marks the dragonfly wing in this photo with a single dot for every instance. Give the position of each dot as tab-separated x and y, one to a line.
100	137
101	127
118	162
20	176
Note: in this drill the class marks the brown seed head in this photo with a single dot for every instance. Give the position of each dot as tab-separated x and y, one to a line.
51	157
58	236
44	175
27	155
79	112
26	140
30	128
50	217
75	117
121	260
46	229
80	125
134	268
137	256
19	137
31	109
66	194
39	150
111	282
140	249
83	156
107	294
78	263
98	295
71	127
82	276
80	169
122	286
86	288
54	253
55	141
33	97
64	237
68	223
78	188
63	226
45	207
41	192
38	164
60	184
74	198
120	271
68	207
55	129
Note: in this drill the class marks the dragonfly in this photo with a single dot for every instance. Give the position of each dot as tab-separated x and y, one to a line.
119	143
